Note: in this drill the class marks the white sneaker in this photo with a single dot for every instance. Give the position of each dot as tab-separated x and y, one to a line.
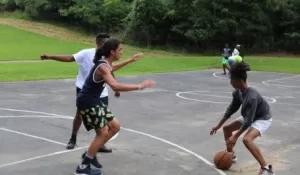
234	159
265	171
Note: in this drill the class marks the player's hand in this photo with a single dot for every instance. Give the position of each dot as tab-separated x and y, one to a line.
117	94
214	130
147	84
136	57
44	57
231	141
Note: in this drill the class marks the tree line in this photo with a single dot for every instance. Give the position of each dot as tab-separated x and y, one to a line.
196	25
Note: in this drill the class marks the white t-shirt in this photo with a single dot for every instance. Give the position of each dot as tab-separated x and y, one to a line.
84	59
235	52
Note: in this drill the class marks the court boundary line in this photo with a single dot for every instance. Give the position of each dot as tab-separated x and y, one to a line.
42	156
178	94
264	82
279	79
130	130
32	136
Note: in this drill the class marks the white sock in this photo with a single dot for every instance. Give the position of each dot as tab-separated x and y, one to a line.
88	156
266	167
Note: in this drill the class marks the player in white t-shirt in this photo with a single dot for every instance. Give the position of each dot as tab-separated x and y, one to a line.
84	60
236	50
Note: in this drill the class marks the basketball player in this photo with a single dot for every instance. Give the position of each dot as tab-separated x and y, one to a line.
84	60
256	116
94	113
226	54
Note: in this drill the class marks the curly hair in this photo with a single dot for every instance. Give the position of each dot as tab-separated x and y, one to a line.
238	71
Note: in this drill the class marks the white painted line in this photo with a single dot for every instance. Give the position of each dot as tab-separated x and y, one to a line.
273	100
47	116
177	146
192	99
281	85
33	116
20	110
216	74
208	95
32	136
134	131
42	156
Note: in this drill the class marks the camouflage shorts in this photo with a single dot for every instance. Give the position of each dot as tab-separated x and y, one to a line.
96	117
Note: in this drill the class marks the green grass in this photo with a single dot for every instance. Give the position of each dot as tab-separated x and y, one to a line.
55	70
18	44
23	71
274	64
28	44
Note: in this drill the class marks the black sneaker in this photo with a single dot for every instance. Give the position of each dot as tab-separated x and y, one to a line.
71	144
104	149
94	161
86	170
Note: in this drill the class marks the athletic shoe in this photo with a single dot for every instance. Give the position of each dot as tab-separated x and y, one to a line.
104	149
234	158
86	170
266	171
94	161
271	171
71	144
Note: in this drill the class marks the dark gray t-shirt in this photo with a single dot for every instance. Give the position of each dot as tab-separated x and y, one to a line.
254	106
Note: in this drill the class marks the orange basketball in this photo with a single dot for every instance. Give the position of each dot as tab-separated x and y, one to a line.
223	160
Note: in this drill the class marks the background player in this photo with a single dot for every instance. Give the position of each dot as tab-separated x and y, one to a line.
226	54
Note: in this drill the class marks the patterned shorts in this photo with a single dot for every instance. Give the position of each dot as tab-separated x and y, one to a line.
96	116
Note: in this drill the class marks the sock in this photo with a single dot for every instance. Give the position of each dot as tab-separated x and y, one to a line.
266	167
87	160
73	137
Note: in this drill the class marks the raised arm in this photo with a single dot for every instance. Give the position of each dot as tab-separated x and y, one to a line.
124	63
104	71
61	58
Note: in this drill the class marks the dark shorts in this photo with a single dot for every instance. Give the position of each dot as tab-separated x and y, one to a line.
96	116
103	99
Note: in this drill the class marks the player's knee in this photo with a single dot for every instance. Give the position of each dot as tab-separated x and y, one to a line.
226	128
103	132
247	140
116	126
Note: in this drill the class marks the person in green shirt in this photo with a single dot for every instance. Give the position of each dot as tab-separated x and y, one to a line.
234	59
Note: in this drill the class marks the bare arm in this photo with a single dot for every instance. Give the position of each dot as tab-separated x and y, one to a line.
105	72
121	64
130	60
61	58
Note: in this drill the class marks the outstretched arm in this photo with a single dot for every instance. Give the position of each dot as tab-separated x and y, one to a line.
135	57
61	58
105	72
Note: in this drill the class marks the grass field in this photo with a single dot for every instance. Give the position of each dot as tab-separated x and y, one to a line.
26	40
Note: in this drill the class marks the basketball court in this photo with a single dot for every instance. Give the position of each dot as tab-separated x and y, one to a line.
165	130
